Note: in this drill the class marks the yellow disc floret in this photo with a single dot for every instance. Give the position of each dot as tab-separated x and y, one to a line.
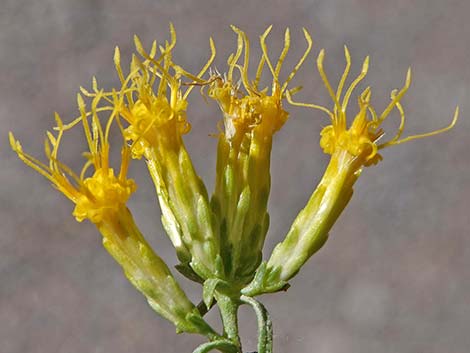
155	120
105	194
359	139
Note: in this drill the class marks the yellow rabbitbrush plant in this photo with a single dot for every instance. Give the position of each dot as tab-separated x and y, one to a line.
218	241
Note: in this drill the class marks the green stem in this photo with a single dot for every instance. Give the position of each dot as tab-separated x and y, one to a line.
265	328
222	345
229	312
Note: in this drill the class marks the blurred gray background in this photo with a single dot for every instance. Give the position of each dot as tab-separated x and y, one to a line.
395	274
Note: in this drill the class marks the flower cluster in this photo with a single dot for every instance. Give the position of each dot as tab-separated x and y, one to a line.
218	240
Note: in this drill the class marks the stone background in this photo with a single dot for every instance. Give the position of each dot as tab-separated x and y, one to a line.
395	274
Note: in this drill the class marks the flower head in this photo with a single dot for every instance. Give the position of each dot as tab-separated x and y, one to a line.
361	139
152	103
100	195
351	148
254	108
251	117
151	99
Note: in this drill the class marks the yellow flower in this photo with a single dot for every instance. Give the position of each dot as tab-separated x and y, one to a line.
251	118
152	103
350	148
253	109
99	196
151	99
362	139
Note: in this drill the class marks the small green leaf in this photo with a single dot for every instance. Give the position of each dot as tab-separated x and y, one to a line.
188	272
210	285
263	282
200	325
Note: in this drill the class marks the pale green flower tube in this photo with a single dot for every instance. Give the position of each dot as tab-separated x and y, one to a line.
149	273
310	229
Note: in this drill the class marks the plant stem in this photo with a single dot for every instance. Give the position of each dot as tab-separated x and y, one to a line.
222	345
229	312
265	328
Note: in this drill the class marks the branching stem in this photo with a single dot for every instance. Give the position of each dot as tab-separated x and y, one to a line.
265	328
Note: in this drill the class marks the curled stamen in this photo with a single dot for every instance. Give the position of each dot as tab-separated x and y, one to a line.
284	52
259	71
308	105
324	78
264	49
233	59
397	97
197	78
309	40
364	70
427	134
345	73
